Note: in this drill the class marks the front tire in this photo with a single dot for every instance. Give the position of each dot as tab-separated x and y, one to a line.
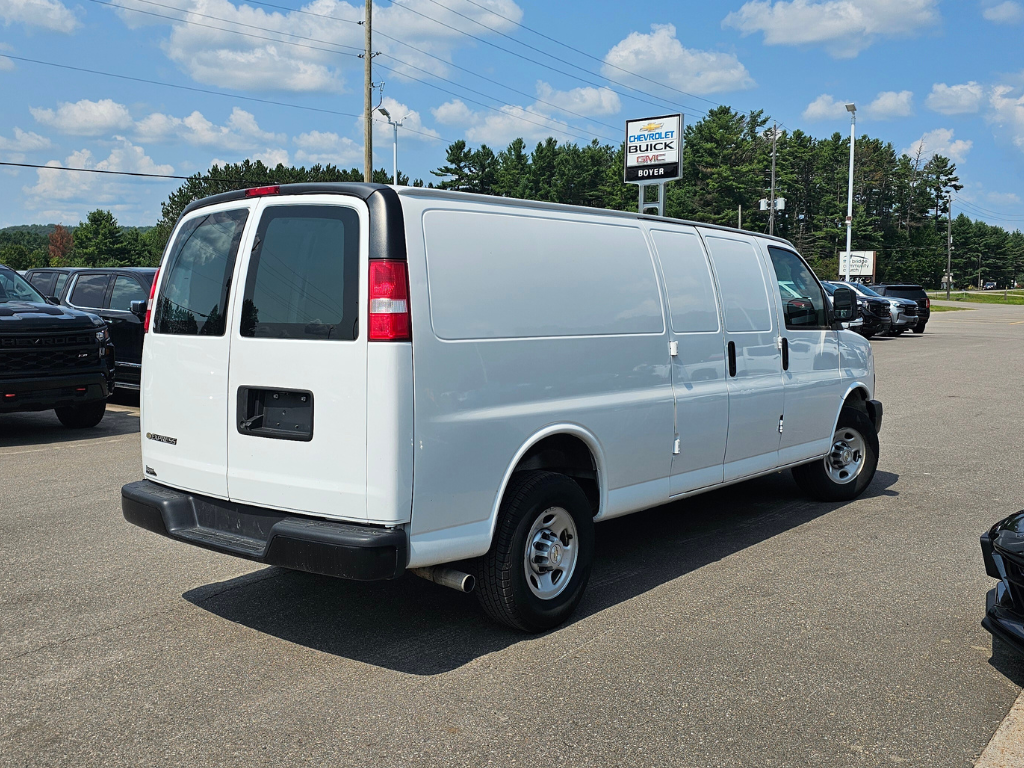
82	416
539	563
920	328
849	467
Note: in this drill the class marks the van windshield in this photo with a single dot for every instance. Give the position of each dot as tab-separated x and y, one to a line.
13	287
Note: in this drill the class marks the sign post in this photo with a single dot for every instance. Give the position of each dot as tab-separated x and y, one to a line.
653	155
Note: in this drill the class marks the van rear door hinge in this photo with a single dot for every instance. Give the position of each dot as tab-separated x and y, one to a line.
673	348
780	425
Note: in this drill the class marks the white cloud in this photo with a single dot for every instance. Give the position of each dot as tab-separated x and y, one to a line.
843	27
1005	13
1007	112
412	125
24	141
500	127
240	133
313	48
661	57
1003	198
825	108
940	142
85	117
890	104
88	190
273	157
325	148
47	14
6	65
955	99
583	101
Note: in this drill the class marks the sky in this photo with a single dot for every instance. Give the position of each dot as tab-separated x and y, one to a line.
187	83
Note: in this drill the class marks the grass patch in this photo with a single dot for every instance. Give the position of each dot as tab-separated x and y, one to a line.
995	297
937	308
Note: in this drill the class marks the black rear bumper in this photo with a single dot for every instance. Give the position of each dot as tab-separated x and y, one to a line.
344	550
1002	622
45	392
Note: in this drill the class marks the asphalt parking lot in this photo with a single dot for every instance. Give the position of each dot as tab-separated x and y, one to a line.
747	627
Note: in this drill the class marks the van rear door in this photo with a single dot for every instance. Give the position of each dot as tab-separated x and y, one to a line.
297	406
185	358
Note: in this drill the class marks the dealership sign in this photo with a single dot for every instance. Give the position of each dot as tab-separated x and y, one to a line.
653	149
856	263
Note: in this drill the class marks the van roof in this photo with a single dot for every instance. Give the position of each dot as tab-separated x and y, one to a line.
364	191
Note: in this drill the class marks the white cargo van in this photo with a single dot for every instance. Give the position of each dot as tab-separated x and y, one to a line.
358	380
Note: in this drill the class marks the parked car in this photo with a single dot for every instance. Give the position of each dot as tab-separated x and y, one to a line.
535	367
1002	548
903	312
51	356
874	315
107	292
990	285
909	291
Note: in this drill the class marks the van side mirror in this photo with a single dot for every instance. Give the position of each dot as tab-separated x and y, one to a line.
138	308
844	304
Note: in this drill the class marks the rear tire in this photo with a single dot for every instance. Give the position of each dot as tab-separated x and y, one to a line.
919	328
82	416
849	467
539	563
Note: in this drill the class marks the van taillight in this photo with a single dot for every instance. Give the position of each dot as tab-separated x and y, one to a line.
389	301
149	304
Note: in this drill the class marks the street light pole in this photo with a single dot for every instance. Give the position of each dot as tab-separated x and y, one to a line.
771	204
852	109
394	124
949	244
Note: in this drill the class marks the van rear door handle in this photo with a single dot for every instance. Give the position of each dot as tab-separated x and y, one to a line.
732	358
785	353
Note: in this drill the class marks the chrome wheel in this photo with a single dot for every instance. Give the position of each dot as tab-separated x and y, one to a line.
846	459
551	553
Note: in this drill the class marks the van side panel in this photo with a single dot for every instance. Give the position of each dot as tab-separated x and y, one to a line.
479	399
389	433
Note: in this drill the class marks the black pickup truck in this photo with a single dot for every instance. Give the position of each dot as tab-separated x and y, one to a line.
52	356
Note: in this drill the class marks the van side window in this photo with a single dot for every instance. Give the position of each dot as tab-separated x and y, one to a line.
803	303
744	295
691	294
303	278
194	295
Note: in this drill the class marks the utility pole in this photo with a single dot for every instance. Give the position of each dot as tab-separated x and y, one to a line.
368	96
739	217
771	203
949	244
852	109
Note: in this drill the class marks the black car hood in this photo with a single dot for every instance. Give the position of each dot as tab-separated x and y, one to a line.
30	316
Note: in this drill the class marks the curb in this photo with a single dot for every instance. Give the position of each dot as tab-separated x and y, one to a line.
1006	749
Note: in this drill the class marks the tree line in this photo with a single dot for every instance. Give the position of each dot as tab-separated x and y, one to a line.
901	205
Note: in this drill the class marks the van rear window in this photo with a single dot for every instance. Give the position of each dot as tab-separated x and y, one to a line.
303	278
194	295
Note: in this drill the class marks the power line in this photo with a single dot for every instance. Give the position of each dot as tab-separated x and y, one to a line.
340	53
584	53
984	212
546	66
202	90
111	173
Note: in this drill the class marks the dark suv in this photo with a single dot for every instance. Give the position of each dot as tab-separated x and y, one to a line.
109	293
51	356
913	292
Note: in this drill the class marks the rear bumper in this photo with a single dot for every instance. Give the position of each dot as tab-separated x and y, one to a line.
343	550
45	392
1003	622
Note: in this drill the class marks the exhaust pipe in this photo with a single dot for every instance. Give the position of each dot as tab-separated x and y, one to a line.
447	577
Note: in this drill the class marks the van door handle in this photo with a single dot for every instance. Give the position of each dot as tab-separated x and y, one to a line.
785	353
732	358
